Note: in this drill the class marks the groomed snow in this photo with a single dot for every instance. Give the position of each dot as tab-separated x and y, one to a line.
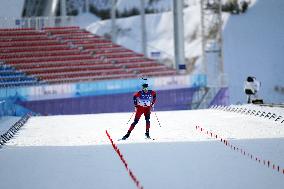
74	152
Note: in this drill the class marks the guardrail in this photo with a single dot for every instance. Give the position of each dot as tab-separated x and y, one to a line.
251	112
36	22
8	135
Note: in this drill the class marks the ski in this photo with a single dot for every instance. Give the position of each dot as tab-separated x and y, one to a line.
121	139
150	138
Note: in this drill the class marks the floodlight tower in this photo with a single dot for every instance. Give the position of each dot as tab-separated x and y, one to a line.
212	48
113	21
143	28
179	35
40	8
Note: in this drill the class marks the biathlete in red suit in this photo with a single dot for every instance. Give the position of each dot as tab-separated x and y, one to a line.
144	100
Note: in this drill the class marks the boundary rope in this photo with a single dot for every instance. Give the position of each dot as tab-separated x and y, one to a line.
131	174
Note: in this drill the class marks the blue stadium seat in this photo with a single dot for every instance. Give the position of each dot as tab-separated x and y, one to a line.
11	77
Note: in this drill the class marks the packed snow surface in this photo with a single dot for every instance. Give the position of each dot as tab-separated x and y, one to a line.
74	152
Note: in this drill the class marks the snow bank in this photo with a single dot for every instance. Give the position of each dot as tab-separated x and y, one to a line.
11	8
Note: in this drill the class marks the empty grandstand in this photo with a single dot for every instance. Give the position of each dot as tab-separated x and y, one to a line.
69	54
50	65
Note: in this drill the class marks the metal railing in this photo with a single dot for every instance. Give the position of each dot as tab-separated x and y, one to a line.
10	133
36	22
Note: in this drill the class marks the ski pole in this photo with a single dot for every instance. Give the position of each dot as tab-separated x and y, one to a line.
158	119
130	118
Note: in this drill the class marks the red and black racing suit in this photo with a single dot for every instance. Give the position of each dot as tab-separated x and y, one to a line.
143	101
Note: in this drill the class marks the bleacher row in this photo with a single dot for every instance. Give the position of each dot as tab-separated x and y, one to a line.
9	76
68	54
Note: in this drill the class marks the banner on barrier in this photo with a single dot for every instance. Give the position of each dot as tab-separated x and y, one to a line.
68	90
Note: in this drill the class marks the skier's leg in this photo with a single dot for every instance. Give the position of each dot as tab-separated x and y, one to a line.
138	114
133	124
136	119
147	118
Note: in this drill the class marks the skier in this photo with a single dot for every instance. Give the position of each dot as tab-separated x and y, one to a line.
251	87
144	101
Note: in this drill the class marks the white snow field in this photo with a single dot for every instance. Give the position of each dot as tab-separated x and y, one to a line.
74	152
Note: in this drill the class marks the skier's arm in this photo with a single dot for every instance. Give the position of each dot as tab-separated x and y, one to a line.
154	94
136	95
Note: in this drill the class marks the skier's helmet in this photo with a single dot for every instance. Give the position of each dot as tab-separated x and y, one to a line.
145	85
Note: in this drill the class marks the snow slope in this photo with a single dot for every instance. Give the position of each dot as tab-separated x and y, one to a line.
85	19
11	8
253	45
159	30
253	42
74	152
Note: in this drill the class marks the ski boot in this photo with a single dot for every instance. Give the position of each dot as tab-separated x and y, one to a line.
126	136
147	135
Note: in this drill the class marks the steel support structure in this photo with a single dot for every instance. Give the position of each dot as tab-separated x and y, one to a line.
212	45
